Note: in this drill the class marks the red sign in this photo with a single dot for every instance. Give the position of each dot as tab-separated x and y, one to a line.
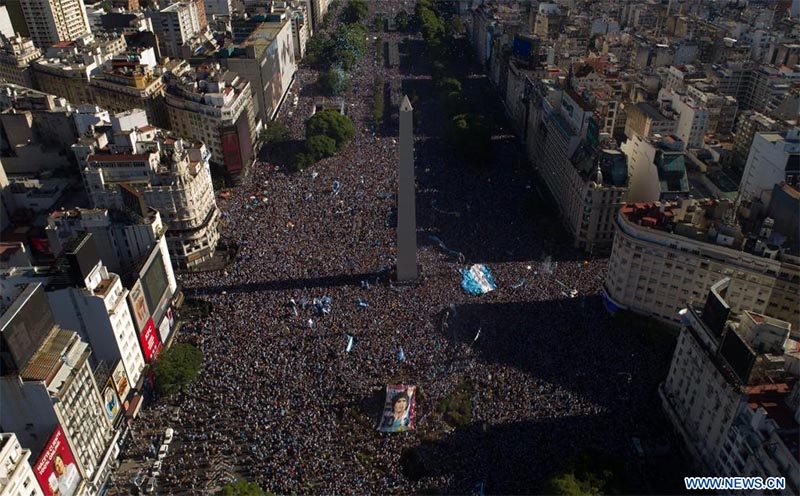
56	469
231	151
151	345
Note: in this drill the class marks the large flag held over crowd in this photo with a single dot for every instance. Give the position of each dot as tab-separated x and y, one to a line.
477	280
399	409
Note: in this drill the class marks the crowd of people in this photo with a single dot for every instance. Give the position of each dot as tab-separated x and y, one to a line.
283	403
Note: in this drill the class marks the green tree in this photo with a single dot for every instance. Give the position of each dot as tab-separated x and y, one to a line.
403	21
333	82
316	48
273	132
242	488
346	46
320	146
448	85
301	161
332	124
354	12
564	485
177	367
377	100
471	137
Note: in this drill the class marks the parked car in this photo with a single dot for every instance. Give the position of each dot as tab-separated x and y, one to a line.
151	485
162	452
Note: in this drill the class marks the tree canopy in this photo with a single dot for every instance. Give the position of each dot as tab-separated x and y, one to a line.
320	146
177	367
242	488
591	473
333	82
471	137
273	132
332	124
354	12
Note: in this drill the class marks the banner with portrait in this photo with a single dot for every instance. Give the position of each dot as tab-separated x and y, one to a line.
56	469
111	403
399	409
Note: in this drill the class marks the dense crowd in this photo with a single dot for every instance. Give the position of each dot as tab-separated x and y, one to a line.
282	403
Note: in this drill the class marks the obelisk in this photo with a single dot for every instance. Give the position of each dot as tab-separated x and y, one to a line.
406	198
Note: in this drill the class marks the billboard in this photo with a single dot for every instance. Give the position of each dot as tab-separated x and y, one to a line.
399	409
56	469
163	329
231	152
138	305
121	381
151	346
111	403
155	283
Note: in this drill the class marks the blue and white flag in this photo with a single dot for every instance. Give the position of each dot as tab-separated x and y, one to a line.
401	355
362	303
349	343
477	280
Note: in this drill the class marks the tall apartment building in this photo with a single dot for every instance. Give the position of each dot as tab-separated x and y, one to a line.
215	106
49	397
774	158
748	124
656	168
263	53
67	67
732	392
691	118
587	180
180	28
318	10
172	175
131	80
16	55
722	109
52	21
123	237
647	121
665	252
16	476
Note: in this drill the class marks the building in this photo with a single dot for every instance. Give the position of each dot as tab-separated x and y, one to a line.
748	124
172	175
691	119
67	67
665	252
722	109
318	10
6	27
180	27
656	168
732	392
586	177
218	7
132	81
16	476
49	397
774	158
123	237
647	121
215	106
37	129
52	21
263	53
16	55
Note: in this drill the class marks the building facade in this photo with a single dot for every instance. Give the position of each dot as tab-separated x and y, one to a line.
16	476
215	106
774	158
16	55
663	253
52	21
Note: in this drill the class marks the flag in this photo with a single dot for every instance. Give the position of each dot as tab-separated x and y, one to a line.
477	335
477	280
401	355
362	303
349	343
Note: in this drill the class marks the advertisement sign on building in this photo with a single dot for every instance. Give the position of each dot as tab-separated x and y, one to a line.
120	378
111	404
231	152
138	305
163	329
56	469
151	345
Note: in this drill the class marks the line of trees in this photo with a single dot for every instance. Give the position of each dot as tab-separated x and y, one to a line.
327	132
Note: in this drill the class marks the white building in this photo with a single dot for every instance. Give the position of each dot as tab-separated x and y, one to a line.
670	252
218	7
48	394
51	21
656	168
729	391
171	175
774	158
16	476
180	28
691	119
16	55
216	106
